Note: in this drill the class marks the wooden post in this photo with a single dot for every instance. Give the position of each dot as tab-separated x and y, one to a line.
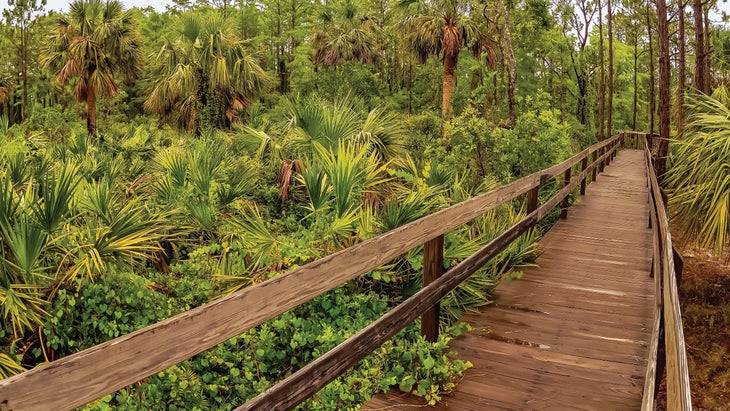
593	160
566	201
433	267
602	163
583	167
613	150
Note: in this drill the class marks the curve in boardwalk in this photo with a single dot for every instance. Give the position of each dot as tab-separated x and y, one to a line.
574	332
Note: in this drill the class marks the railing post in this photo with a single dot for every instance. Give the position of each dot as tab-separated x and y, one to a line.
566	203
593	160
433	267
602	163
583	167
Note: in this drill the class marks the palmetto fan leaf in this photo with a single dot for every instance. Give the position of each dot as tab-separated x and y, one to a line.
25	239
57	192
9	367
22	307
699	177
131	234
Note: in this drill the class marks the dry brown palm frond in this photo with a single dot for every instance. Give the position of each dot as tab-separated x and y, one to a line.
452	40
288	169
69	70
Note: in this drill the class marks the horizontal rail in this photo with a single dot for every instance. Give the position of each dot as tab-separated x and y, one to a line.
668	314
107	367
317	374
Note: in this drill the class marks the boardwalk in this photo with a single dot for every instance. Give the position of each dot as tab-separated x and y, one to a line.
573	333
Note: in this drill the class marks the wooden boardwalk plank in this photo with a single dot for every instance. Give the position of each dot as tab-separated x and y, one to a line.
573	333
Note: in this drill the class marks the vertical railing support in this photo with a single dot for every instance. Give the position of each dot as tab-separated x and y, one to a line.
566	201
433	267
532	199
602	164
595	169
583	167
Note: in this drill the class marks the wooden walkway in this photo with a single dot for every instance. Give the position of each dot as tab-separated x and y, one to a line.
574	332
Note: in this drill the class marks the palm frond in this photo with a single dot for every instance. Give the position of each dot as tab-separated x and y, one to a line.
699	177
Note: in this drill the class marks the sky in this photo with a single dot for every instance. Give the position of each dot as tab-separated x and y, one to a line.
159	5
62	5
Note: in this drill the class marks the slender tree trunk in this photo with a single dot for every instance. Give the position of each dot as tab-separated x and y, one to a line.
708	51
664	85
609	103
682	73
91	112
652	81
636	79
410	87
24	67
449	83
602	78
511	65
700	54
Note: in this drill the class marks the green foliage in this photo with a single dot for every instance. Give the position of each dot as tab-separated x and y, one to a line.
699	177
538	141
117	304
204	75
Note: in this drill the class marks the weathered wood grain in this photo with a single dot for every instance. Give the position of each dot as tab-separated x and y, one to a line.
313	377
433	268
105	368
575	332
125	360
678	386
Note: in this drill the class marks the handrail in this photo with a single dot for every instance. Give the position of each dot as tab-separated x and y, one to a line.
667	310
110	366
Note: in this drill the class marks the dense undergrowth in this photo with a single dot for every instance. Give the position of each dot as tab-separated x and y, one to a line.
102	237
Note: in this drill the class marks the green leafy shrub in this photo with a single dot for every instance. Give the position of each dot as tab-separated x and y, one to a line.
538	141
117	304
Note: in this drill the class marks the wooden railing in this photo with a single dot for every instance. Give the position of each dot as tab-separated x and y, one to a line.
667	349
90	374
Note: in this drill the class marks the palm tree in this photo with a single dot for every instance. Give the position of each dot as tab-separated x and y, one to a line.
95	42
205	73
699	177
3	94
441	28
351	37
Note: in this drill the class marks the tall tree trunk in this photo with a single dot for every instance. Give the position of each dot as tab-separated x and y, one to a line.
652	81
410	87
682	73
91	112
449	83
708	51
700	54
511	64
24	67
609	103
636	78
602	78
664	84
